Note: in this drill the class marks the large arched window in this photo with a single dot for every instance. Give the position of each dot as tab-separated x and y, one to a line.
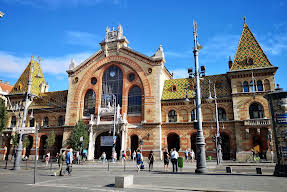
46	121
60	121
259	85
13	121
256	111
113	84
193	115
172	117
135	100
89	103
221	114
245	86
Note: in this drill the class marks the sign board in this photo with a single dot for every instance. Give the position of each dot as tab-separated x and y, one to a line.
26	130
281	118
107	141
284	151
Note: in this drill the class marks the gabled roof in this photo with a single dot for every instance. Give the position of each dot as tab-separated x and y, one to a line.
5	87
21	86
249	54
175	89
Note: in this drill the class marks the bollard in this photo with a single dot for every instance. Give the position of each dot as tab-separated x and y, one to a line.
124	181
124	166
228	170
258	170
51	164
108	165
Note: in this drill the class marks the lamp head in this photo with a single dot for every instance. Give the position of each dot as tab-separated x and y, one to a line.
209	99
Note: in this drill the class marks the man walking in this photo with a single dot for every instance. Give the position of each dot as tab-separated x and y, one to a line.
174	156
69	160
61	159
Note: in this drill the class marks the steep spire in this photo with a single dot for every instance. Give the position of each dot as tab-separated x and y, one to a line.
249	54
21	86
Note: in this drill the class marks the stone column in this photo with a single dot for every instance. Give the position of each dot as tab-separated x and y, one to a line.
91	149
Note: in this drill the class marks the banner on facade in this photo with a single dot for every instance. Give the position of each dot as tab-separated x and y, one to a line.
107	141
281	118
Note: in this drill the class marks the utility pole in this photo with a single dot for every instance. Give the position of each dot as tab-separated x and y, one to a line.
200	143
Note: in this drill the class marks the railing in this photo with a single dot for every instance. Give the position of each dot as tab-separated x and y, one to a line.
257	122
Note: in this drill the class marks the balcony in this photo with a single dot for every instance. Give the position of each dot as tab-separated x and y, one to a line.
257	122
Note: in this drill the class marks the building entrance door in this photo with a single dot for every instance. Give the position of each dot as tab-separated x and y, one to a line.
107	149
173	141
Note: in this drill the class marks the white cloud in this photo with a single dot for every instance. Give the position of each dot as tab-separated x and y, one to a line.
82	38
11	64
179	73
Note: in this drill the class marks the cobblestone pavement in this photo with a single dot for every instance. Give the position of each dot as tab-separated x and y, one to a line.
96	177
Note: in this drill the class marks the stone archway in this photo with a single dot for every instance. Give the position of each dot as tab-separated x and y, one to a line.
29	147
43	145
134	143
107	149
225	146
173	141
259	141
193	143
58	143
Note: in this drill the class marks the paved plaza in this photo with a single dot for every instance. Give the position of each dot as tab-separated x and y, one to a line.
98	177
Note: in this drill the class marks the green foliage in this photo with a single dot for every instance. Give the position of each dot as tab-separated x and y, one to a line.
15	139
26	142
3	115
79	130
51	139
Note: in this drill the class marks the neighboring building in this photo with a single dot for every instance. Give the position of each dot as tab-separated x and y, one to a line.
5	88
151	110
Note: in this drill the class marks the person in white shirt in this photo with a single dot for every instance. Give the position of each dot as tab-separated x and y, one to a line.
174	156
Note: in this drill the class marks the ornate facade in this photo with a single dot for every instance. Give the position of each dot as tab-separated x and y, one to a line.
121	90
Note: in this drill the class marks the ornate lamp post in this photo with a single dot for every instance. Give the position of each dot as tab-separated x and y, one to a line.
217	136
200	143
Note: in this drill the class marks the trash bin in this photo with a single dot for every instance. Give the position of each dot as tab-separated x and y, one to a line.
209	158
180	162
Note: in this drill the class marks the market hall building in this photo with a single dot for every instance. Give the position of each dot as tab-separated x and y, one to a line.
120	90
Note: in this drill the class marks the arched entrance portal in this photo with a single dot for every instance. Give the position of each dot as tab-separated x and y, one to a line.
43	145
259	141
58	142
134	143
193	143
173	141
107	149
225	146
29	147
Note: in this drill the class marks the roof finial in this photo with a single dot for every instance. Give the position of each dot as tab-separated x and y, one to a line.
245	21
31	61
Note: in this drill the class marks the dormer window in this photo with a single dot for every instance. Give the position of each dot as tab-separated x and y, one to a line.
174	88
249	61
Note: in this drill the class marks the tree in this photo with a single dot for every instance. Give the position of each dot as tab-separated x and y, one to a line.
3	115
79	130
51	139
15	140
26	142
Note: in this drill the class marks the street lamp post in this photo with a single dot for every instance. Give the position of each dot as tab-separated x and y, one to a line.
17	162
217	137
200	143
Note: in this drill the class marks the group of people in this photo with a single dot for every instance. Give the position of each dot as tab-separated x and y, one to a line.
189	155
65	156
173	156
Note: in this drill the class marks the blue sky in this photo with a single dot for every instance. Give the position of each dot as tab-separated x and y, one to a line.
59	30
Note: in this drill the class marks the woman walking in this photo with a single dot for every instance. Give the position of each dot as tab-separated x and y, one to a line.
165	159
151	160
139	160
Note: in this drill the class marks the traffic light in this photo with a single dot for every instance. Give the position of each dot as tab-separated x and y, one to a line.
214	138
220	140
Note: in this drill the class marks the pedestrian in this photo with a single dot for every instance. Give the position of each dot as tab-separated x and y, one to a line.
69	160
85	155
47	158
114	156
165	159
151	160
174	156
103	157
192	155
139	159
134	156
61	159
5	152
186	154
78	157
124	157
57	157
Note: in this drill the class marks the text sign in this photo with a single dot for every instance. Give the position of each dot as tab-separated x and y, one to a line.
281	118
107	141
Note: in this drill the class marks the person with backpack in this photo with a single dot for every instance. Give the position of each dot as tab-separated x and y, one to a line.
61	159
151	160
139	160
69	161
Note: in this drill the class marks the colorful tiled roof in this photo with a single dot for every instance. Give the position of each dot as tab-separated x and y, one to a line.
249	54
56	99
21	86
177	88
